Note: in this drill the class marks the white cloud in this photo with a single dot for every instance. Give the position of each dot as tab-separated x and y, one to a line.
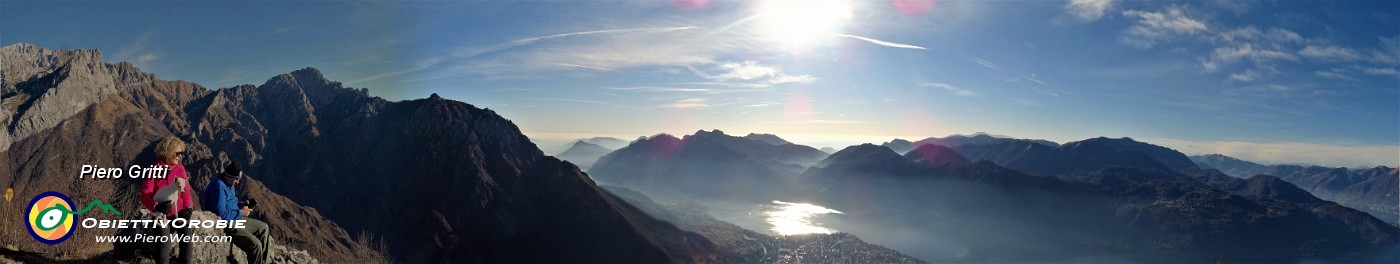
1389	53
747	70
1153	27
986	63
1329	53
1336	74
582	66
580	101
148	57
1277	36
1380	71
1033	79
882	42
821	122
1223	56
692	103
1245	76
1348	155
949	88
750	71
1088	10
783	78
1257	73
626	47
664	89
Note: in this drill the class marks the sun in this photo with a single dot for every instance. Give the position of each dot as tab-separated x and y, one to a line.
798	25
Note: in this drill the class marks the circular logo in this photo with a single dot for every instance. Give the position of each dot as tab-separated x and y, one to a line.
49	218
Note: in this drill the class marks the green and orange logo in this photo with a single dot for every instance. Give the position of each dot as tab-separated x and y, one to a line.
50	216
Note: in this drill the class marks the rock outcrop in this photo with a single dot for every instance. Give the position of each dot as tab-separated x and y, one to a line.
43	87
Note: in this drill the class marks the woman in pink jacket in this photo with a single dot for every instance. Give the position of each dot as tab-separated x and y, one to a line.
168	153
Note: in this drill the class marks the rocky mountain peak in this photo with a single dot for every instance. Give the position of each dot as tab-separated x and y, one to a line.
309	73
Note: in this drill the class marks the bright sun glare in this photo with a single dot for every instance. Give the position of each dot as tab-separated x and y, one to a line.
796	25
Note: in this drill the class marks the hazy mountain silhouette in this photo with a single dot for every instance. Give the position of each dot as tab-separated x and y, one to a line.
583	154
1086	155
605	142
768	138
1142	213
1372	190
953	141
707	163
439	180
1229	165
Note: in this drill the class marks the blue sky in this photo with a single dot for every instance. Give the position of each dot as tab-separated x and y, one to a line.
1275	82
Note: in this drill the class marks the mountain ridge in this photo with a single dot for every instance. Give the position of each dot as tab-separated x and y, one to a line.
315	141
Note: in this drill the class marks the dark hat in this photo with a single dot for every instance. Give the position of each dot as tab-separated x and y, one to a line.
232	170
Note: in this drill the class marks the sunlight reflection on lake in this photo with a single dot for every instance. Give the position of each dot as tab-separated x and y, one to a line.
796	218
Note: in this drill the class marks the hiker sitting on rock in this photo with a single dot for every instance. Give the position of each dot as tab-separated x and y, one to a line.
219	198
170	196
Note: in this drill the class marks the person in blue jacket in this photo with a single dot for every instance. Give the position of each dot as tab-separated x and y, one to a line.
219	197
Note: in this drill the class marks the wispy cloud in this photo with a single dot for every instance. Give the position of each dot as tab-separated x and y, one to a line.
986	63
882	42
1223	56
1249	34
1329	53
751	73
474	52
747	70
1154	27
1336	74
1257	73
579	101
949	88
688	103
1088	10
749	85
664	89
148	57
781	79
1380	71
139	50
821	122
582	66
1033	79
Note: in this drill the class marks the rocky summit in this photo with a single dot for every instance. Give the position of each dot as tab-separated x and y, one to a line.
435	180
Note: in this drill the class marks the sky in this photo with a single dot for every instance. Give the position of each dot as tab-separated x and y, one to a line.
1311	82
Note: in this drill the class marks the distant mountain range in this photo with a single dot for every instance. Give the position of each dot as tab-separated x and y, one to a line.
438	180
605	142
1099	197
902	146
583	154
768	138
1086	155
707	163
1100	205
1374	190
